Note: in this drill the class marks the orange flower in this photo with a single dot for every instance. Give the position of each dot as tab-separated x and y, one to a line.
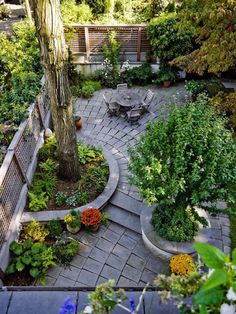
91	217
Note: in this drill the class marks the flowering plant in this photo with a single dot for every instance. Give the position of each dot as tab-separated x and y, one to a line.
214	292
73	219
67	307
182	264
91	217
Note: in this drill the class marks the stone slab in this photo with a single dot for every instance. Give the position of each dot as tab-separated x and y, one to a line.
5	298
28	302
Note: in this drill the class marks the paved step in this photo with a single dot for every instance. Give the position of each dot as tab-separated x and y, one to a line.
127	203
123	217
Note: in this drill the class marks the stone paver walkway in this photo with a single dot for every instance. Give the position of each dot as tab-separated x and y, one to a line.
117	251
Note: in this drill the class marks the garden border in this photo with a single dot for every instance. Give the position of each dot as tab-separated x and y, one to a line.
14	225
99	202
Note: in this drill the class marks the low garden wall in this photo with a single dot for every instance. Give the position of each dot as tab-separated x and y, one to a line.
17	170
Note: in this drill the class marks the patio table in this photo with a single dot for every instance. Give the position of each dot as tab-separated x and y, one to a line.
127	99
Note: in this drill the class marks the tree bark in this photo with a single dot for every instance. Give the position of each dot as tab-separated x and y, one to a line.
54	55
28	10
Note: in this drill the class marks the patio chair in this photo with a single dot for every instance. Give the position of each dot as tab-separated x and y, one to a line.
146	101
123	86
134	114
112	108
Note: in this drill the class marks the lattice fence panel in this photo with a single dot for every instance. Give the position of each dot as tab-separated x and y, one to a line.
9	195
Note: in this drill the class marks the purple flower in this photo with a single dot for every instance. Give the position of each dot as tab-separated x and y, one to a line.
68	308
132	304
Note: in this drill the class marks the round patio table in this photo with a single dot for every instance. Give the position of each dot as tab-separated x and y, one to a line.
127	99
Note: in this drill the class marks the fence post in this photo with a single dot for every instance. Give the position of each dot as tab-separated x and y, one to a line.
25	179
87	45
139	43
40	114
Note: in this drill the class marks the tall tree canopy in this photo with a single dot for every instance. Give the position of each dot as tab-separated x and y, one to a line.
54	55
215	22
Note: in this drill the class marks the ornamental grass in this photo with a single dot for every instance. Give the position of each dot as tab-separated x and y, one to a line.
91	217
182	264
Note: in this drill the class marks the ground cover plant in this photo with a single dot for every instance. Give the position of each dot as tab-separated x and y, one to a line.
39	247
180	163
49	192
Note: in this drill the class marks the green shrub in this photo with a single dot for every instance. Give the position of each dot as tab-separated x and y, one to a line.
35	232
60	198
185	161
85	14
165	73
96	177
54	227
4	11
20	72
96	85
65	249
141	75
87	91
168	40
48	150
37	201
36	258
89	153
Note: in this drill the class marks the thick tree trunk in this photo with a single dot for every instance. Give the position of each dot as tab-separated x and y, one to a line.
54	55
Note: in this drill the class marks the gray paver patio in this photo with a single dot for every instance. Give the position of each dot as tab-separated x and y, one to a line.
117	251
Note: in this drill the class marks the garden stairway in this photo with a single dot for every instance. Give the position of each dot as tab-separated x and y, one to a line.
125	210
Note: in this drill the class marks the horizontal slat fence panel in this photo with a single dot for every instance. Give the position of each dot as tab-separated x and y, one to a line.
88	40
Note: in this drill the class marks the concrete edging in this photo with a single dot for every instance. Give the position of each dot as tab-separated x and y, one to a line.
100	202
163	248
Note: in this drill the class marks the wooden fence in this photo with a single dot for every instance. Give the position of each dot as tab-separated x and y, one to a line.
88	40
14	170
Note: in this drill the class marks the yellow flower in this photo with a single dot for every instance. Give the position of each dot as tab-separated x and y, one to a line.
69	218
182	264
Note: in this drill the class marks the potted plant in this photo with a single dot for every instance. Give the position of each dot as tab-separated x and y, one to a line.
72	220
168	77
78	121
92	218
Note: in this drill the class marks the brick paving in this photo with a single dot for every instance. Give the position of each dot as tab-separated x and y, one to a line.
117	250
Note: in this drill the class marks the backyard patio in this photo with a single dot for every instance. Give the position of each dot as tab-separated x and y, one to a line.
117	251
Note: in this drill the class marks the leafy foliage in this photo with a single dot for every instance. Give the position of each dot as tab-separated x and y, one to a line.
20	72
212	293
43	185
140	75
35	232
184	161
87	91
89	153
54	227
225	103
36	258
49	149
95	178
64	249
215	25
105	298
168	40
73	13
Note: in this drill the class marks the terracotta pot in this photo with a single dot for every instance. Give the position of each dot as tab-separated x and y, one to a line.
167	84
93	228
73	230
78	121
